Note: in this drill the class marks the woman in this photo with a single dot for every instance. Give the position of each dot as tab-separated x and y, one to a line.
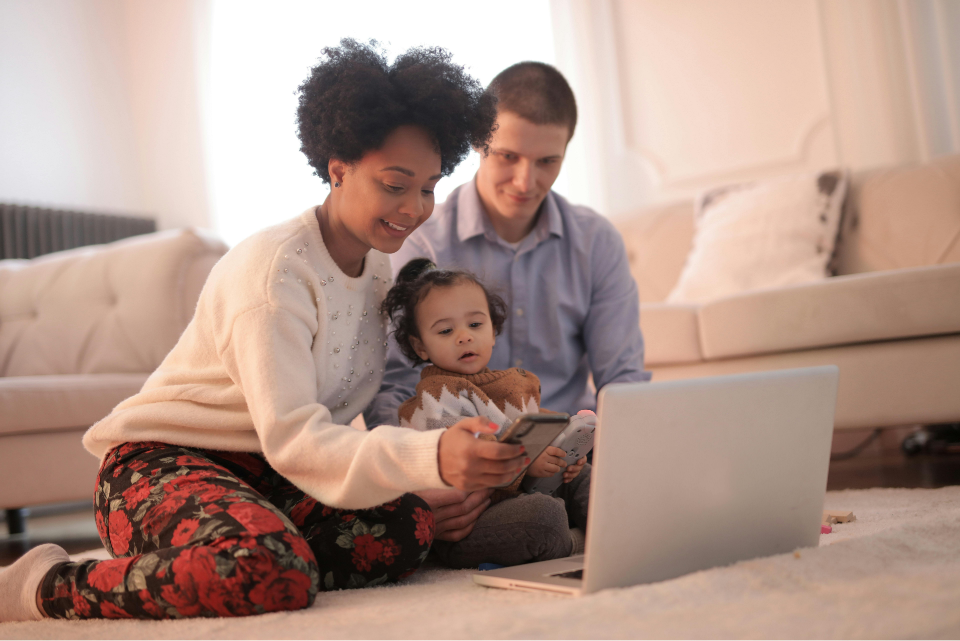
231	484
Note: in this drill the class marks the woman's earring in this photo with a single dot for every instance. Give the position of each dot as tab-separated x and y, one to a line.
336	184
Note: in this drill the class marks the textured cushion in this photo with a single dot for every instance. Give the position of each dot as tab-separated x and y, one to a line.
882	306
771	233
881	384
44	403
657	241
671	333
902	217
102	309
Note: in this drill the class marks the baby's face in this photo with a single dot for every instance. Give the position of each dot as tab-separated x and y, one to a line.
455	329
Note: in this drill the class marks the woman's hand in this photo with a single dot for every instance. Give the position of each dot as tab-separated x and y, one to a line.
469	464
455	512
548	463
572	470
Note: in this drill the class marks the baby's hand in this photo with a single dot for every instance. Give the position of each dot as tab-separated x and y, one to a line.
572	470
548	463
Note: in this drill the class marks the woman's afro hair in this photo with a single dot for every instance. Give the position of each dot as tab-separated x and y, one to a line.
353	99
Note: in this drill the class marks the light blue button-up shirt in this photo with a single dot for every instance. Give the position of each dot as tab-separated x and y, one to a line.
573	305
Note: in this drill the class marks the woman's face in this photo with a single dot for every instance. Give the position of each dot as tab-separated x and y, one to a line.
389	192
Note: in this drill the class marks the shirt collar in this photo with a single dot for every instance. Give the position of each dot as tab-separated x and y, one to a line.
472	219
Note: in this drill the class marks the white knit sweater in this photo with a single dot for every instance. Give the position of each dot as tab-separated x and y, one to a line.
283	351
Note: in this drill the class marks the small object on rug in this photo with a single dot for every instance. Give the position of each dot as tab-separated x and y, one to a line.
489	566
838	516
796	554
825	528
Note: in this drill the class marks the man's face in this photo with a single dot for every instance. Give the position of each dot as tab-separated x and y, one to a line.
520	169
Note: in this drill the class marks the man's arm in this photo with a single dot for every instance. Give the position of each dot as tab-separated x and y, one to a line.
611	331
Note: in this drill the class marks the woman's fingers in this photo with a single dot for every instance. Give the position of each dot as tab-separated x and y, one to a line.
464	461
455	535
498	451
462	521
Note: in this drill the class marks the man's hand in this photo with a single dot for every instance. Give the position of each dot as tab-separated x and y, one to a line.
455	512
572	470
469	464
548	463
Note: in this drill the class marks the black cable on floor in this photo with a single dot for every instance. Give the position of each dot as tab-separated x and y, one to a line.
849	454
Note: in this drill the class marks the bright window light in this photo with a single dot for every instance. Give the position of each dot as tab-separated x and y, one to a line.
261	51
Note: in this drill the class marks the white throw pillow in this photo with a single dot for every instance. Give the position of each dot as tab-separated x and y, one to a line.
763	234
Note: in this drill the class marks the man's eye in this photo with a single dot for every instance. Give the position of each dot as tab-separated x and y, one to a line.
393	188
426	192
508	156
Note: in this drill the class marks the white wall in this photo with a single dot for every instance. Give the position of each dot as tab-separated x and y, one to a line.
66	128
99	107
681	96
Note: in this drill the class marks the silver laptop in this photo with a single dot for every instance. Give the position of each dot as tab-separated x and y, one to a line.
694	474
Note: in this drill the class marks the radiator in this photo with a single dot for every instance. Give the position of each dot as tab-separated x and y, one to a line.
26	232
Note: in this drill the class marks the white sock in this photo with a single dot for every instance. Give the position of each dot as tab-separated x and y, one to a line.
579	539
19	582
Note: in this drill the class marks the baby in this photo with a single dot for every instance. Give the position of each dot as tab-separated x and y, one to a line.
449	319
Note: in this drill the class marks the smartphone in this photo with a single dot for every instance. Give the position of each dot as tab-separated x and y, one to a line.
535	432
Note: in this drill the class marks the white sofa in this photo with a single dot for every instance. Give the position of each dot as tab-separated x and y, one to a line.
80	330
890	318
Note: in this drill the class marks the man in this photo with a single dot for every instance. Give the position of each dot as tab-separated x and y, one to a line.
562	268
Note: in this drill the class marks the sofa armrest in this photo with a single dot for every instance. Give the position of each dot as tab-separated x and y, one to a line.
671	333
877	306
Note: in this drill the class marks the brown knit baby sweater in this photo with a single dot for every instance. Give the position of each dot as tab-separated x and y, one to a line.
445	398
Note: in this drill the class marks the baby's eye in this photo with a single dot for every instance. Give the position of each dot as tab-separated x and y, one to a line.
476	324
445	331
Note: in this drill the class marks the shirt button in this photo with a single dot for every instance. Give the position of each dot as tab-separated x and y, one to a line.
518	362
519	311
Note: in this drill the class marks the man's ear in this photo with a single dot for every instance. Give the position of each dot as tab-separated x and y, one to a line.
338	169
417	345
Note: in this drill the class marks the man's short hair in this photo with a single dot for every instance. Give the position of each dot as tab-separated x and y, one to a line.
536	92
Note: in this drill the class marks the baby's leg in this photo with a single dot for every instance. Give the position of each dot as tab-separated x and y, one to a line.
529	527
576	495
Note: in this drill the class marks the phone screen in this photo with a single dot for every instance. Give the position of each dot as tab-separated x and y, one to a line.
535	432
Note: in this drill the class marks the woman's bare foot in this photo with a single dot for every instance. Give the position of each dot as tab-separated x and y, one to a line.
20	583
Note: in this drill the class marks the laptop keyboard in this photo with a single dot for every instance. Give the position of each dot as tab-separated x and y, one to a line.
575	574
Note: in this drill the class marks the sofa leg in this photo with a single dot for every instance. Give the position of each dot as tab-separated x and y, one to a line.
17	520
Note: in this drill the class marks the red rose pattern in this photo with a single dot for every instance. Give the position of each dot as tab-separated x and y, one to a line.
120	533
425	525
184	530
213	544
302	510
109	574
255	518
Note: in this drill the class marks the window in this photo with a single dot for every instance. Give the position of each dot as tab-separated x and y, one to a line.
260	52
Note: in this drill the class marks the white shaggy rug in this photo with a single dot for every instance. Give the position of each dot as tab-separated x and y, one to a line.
893	573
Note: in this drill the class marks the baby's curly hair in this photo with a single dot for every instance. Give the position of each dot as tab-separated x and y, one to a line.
414	282
353	99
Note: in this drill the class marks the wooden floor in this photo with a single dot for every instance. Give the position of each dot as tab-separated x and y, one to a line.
73	528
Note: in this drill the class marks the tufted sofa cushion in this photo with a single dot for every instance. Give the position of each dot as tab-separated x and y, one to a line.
897	217
55	403
116	308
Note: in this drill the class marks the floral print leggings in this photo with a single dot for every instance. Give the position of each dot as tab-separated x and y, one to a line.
208	533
